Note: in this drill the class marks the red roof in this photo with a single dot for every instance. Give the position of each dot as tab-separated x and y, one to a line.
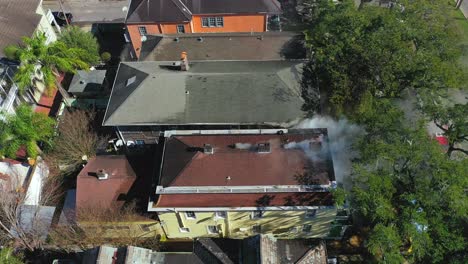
291	157
46	102
245	200
91	192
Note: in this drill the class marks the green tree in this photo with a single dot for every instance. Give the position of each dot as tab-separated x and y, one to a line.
25	128
384	242
453	121
406	182
42	61
7	257
377	52
75	37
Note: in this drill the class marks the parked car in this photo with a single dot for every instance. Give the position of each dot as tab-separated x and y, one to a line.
62	18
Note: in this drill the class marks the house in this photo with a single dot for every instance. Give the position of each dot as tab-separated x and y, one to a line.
90	89
221	184
150	17
149	97
21	18
104	186
24	18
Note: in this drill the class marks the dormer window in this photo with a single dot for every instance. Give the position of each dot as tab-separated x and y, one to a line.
264	148
208	149
131	80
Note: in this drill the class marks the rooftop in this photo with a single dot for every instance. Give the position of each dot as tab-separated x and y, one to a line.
210	92
90	191
261	46
12	28
182	10
226	200
245	170
87	81
239	157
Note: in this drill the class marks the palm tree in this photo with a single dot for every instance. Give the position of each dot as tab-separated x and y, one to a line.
25	128
42	62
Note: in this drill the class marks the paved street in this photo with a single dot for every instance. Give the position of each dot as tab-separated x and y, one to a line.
91	11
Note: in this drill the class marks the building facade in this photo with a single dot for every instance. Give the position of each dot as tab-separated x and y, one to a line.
239	185
150	17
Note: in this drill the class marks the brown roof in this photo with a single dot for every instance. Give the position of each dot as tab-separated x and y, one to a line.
261	46
182	10
18	18
294	159
91	192
245	200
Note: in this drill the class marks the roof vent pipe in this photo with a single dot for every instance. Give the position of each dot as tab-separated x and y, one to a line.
102	174
185	65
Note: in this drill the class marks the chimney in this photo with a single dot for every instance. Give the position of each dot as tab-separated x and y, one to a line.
102	174
185	65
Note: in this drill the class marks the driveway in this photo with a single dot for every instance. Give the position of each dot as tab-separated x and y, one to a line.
91	11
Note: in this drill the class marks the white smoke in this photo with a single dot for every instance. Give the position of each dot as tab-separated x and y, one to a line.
341	136
312	153
243	145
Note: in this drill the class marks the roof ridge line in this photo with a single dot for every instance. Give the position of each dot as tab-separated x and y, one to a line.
186	164
187	10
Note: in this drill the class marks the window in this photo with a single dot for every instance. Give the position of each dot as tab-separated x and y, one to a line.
180	29
190	215
212	229
257	229
310	213
204	22
139	142
142	31
212	21
306	228
131	80
220	214
184	229
257	214
219	21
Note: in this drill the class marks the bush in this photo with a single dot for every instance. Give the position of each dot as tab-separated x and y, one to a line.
106	56
11	52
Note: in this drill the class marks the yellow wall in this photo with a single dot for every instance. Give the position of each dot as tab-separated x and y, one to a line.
239	224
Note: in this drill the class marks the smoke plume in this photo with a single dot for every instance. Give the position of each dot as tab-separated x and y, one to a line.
341	136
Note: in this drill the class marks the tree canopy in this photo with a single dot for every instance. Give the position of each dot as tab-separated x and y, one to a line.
42	62
377	52
7	256
24	129
75	37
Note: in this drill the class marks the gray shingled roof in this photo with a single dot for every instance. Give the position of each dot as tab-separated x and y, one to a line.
87	81
182	10
18	18
211	92
238	46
